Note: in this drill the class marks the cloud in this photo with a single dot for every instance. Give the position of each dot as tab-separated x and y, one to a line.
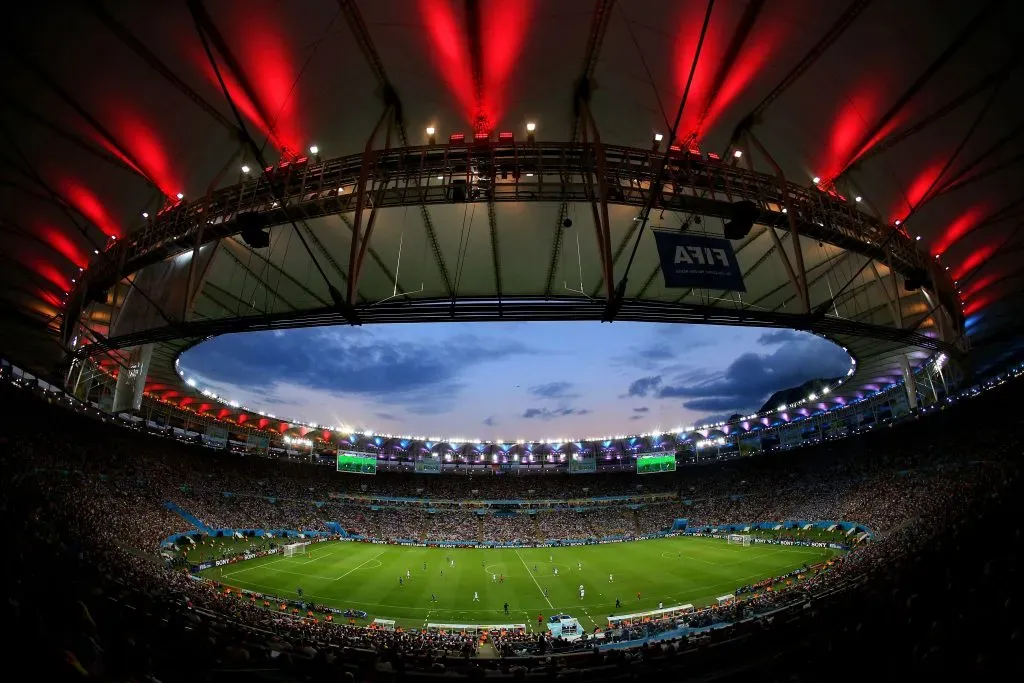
490	421
714	403
545	414
636	417
780	337
386	416
423	375
644	386
553	390
641	409
748	381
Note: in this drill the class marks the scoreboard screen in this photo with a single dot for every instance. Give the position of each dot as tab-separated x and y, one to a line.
357	463
656	462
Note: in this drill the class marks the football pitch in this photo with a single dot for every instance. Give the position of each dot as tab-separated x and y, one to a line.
441	582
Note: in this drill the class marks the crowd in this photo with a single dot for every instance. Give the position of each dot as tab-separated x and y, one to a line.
85	501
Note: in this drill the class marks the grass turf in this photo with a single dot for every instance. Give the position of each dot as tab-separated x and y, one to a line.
364	576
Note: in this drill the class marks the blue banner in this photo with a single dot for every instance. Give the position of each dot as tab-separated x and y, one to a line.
698	261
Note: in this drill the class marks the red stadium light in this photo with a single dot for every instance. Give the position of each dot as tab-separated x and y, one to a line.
713	157
284	164
694	153
505	137
481	137
675	149
456	138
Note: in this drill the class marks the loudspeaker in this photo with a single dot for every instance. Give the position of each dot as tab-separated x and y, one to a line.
744	214
251	227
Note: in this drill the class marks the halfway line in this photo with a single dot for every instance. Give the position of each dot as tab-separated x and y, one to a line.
537	583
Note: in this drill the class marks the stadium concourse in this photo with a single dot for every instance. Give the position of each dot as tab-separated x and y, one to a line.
86	497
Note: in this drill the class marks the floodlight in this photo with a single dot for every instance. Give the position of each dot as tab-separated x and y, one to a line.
658	137
857	198
180	196
145	214
918	238
313	149
738	153
815	180
430	130
245	169
531	127
897	222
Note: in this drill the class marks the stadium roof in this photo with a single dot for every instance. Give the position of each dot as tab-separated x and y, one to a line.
896	127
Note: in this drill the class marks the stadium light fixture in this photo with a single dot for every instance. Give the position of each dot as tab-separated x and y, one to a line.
180	196
313	149
145	214
430	130
897	222
815	180
918	238
245	169
857	198
431	135
531	127
95	251
658	137
738	153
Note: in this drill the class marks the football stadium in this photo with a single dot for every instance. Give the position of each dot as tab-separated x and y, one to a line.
512	339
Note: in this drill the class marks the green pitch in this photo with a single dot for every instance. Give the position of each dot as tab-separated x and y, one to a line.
673	571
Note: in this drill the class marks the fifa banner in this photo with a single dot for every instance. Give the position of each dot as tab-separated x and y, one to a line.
582	464
216	437
698	261
257	444
429	465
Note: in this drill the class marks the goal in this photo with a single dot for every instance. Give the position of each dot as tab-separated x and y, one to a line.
738	539
293	549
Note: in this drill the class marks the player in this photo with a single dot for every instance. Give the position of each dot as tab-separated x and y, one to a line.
481	563
581	588
551	558
506	608
452	564
476	597
638	595
494	578
540	620
579	566
661	605
546	593
400	581
618	603
534	569
408	574
581	592
611	578
433	598
501	579
298	591
424	566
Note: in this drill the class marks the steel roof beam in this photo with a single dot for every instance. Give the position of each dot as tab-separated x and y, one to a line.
140	49
568	308
845	20
354	18
598	28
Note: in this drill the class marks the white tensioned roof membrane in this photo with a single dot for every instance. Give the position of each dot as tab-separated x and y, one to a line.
113	108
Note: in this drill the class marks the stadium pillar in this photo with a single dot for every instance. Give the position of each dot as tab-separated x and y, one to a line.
908	382
797	277
599	205
360	240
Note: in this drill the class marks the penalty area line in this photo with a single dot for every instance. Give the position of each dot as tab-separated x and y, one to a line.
536	583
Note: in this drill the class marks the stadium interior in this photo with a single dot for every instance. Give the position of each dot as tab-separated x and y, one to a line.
840	181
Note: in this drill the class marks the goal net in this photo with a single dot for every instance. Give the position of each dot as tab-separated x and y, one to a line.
293	549
738	539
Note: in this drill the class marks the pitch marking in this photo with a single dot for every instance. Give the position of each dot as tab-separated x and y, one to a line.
527	568
360	566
